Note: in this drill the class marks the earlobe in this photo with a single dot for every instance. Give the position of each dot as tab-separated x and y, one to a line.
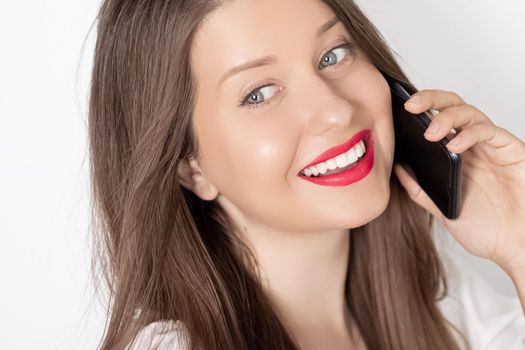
191	177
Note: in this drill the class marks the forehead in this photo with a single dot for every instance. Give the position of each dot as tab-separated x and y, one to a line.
243	30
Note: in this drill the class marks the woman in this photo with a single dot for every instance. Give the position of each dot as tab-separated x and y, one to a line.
208	222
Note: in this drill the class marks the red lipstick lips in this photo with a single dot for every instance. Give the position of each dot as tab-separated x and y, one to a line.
337	150
353	174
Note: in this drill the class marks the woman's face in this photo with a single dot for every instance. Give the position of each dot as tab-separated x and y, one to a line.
313	100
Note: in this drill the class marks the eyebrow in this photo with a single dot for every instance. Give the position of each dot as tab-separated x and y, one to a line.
266	60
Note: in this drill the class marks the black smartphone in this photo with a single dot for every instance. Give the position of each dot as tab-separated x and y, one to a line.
437	170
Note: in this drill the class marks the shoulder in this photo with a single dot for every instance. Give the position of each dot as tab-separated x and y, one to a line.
161	335
489	319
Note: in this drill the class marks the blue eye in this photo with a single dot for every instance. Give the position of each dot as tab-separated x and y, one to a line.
256	92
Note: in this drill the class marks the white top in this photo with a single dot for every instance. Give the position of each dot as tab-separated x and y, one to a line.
164	334
489	319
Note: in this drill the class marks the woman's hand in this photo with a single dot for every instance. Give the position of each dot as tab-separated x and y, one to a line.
492	218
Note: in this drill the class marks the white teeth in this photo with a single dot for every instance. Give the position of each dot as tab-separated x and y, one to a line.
340	161
352	155
312	170
360	149
322	167
331	164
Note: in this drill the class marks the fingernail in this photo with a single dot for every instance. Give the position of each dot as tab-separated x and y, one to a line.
433	128
454	142
414	100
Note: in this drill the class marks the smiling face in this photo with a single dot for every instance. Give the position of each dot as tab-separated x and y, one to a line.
318	94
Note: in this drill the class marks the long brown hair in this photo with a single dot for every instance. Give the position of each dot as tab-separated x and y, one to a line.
165	252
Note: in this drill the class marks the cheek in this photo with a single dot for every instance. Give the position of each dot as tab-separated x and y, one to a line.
258	157
266	147
251	155
385	137
378	97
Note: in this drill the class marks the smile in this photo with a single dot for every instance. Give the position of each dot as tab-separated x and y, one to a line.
343	164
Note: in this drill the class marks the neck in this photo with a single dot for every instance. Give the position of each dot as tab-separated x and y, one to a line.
305	275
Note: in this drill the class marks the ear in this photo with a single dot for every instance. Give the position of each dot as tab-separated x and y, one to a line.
192	178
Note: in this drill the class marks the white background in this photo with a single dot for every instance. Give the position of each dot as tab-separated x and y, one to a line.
475	48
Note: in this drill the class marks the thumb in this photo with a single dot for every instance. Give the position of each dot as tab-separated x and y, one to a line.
415	192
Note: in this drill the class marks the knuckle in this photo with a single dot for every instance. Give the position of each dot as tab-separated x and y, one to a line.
471	108
456	97
466	107
444	117
415	194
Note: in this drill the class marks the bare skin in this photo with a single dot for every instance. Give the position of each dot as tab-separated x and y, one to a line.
249	158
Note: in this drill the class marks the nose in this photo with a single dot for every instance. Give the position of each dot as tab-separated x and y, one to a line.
325	106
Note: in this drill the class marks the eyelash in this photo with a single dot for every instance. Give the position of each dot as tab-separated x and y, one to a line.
243	102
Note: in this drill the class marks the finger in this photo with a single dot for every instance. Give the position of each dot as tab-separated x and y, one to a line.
433	98
457	117
476	133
